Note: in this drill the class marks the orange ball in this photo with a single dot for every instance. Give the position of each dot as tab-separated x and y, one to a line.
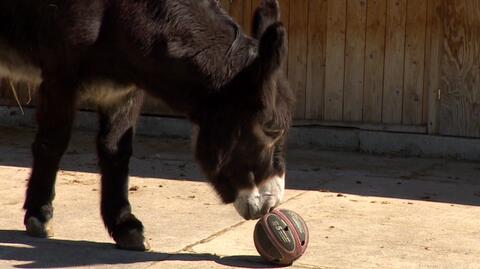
281	237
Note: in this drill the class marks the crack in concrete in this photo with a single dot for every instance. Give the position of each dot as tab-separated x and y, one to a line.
211	237
294	197
189	248
194	257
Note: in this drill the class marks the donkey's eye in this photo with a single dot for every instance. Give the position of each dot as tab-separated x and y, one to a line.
273	133
271	130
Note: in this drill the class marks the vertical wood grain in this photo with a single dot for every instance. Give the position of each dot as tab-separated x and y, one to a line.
414	62
285	12
394	62
297	60
248	9
374	61
254	4
317	31
236	11
354	61
285	17
335	60
435	34
460	95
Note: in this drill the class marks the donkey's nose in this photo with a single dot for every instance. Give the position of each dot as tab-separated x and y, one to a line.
256	202
254	206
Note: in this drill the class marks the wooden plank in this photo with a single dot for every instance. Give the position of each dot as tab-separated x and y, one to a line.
399	128
317	35
285	17
285	12
297	60
335	59
248	10
394	62
374	61
432	65
236	10
254	5
414	62
354	60
460	95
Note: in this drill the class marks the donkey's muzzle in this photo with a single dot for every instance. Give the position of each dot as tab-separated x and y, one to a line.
254	203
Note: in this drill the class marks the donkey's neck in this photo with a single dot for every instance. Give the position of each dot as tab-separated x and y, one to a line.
207	36
222	63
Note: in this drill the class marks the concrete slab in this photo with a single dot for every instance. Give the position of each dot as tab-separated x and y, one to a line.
363	211
352	231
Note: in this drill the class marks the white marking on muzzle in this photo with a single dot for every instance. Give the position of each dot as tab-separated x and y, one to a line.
256	202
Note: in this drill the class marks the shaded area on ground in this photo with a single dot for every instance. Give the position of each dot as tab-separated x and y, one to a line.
436	180
37	253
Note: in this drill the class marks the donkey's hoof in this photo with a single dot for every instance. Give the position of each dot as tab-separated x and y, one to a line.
36	228
132	240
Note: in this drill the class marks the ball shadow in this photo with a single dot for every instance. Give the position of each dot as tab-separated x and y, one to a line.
246	261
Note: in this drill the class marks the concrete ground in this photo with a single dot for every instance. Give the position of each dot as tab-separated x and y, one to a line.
363	211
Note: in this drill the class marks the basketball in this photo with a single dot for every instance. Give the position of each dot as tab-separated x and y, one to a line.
281	237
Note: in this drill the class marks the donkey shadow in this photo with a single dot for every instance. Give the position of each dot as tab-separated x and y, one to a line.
16	246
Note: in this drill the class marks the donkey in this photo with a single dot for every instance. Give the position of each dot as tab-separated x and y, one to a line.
190	54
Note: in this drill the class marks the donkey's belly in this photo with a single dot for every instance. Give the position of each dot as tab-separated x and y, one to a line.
105	93
16	66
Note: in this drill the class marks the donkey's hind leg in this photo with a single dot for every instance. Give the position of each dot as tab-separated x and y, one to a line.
55	113
114	145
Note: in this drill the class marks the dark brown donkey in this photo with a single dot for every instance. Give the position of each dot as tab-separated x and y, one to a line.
190	54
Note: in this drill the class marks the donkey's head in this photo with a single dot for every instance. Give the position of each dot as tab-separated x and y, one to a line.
241	135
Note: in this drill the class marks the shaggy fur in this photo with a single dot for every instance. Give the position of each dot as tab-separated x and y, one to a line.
189	53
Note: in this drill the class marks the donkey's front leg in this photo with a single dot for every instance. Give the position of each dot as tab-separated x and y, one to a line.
55	113
114	145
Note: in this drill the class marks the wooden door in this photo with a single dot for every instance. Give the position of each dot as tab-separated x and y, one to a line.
458	95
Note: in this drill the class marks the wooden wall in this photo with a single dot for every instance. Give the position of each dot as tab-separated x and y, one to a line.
395	65
355	61
398	65
458	103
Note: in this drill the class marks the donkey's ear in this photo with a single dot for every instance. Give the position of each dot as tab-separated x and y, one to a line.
265	15
273	49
